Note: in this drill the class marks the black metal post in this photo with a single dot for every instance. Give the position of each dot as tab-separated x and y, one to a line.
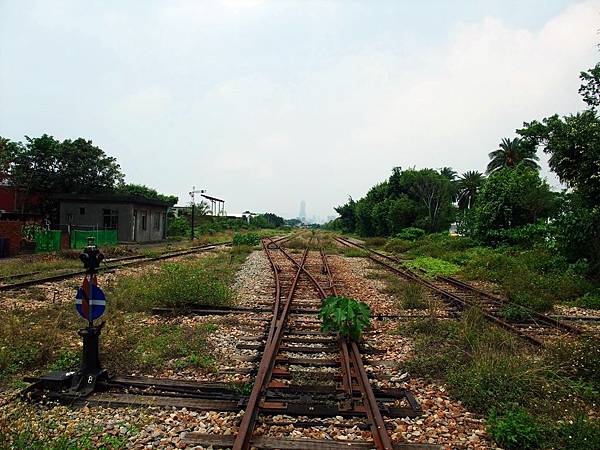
90	369
193	214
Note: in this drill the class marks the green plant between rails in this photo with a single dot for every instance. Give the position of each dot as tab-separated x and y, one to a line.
345	316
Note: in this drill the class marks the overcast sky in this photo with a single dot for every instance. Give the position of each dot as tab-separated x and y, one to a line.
267	103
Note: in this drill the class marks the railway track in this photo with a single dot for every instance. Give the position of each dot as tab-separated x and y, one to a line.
109	265
535	328
309	280
337	385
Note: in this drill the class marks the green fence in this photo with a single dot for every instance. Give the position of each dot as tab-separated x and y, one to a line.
47	240
79	238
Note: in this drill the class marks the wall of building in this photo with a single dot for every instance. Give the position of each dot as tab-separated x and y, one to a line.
92	217
13	231
154	229
130	223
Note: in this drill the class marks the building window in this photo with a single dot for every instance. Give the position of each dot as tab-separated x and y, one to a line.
110	219
82	211
144	221
156	221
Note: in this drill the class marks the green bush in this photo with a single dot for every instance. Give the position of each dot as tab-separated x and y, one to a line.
178	226
515	429
514	312
345	316
398	246
246	239
410	233
493	379
590	300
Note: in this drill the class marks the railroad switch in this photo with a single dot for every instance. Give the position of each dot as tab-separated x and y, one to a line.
90	304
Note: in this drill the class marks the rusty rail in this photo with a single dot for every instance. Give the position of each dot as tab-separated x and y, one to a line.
461	302
267	363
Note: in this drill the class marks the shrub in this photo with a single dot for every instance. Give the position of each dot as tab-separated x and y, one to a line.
515	429
178	226
493	379
345	316
397	246
514	312
410	233
246	239
590	300
579	359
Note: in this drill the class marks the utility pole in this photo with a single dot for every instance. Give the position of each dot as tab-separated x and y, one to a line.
193	195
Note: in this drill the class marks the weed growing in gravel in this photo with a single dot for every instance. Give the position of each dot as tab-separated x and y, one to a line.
413	296
515	429
183	284
345	316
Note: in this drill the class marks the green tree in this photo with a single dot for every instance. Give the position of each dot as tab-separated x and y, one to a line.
7	152
449	173
512	152
347	215
45	165
511	198
590	87
141	190
469	184
573	143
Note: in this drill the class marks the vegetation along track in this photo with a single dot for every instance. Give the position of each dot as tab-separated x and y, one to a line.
534	327
108	266
293	339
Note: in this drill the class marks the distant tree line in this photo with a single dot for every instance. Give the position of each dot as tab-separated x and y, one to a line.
512	204
45	165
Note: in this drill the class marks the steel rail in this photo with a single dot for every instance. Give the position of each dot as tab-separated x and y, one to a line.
275	271
265	370
106	268
380	435
449	296
550	321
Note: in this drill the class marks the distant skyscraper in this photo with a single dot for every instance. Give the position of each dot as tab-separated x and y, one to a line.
302	215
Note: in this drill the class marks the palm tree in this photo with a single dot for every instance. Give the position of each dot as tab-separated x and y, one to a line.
449	173
512	152
468	185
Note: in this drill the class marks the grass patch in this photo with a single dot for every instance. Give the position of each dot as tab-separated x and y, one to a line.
524	393
185	284
590	300
433	266
352	252
34	263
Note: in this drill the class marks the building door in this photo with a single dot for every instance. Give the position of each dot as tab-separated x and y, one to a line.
134	234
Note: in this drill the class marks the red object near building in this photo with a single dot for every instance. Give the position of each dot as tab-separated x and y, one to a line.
14	200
